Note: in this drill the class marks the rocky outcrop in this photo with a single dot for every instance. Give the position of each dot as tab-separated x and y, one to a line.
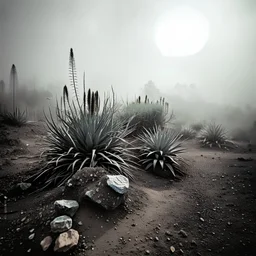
104	192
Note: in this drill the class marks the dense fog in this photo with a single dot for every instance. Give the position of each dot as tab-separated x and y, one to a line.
114	43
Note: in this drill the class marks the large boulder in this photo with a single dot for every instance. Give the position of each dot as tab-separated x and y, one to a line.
61	224
109	192
75	186
66	241
66	207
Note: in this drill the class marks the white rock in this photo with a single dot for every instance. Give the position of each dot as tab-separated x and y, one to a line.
66	241
61	224
46	243
31	236
66	207
119	183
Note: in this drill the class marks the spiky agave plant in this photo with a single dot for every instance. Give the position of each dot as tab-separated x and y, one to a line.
16	118
80	139
214	135
160	151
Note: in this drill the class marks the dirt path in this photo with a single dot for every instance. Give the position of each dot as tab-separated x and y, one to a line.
215	206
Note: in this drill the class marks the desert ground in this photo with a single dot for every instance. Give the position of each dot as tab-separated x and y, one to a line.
212	211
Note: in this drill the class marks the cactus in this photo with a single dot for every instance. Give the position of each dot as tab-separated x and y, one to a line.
13	85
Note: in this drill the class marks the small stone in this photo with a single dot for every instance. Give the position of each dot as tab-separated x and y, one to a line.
66	207
156	238
66	241
168	233
31	236
183	233
32	230
29	250
201	219
23	186
61	224
23	219
80	223
46	243
172	249
147	252
193	242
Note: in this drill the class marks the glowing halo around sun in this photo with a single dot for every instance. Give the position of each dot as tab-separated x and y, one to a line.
182	31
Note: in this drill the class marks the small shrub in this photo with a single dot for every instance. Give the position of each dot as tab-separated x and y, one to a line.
214	135
159	152
188	133
197	127
144	116
16	118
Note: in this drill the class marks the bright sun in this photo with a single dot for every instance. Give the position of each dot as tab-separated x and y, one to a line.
183	31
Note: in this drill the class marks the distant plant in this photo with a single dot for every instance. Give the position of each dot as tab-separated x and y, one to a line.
84	136
197	127
146	114
16	118
188	133
159	152
13	85
2	96
214	135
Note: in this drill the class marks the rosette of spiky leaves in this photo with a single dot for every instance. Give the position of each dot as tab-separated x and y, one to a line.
16	118
85	140
214	135
161	149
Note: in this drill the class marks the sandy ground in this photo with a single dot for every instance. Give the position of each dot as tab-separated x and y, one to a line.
215	205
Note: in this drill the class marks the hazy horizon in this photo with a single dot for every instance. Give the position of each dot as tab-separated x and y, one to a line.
114	43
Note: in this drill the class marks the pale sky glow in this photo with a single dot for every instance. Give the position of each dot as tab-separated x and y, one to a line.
182	31
209	43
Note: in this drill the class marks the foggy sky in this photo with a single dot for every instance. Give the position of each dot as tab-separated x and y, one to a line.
113	41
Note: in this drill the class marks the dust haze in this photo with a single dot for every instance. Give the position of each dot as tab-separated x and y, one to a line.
114	43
